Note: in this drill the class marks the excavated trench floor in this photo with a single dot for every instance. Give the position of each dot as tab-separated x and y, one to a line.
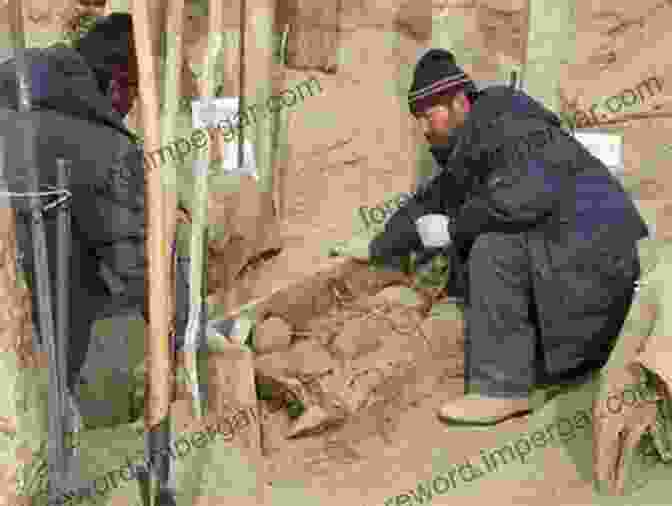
371	361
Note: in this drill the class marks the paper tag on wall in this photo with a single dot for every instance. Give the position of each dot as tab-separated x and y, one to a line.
210	112
608	147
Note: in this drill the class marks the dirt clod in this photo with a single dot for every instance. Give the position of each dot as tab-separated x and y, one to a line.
358	337
313	421
272	335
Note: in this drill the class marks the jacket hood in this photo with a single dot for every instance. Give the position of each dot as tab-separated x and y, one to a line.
62	81
471	141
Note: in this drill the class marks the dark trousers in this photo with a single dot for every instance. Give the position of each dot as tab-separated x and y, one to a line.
89	298
503	345
87	293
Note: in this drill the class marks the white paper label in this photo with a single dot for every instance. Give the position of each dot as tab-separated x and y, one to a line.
210	112
608	147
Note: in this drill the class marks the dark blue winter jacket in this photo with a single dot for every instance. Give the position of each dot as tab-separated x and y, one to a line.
511	168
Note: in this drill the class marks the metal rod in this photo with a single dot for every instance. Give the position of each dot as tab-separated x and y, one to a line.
63	252
63	248
56	456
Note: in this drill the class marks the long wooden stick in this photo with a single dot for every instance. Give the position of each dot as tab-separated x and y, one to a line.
241	82
172	81
157	345
525	45
206	88
245	376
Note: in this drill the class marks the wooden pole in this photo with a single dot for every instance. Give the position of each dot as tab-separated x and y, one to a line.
525	45
159	367
206	89
172	81
157	349
16	23
241	81
257	65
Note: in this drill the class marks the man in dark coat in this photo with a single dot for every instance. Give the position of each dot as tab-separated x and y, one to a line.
80	97
543	239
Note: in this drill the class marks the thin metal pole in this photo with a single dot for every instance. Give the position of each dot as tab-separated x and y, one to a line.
56	456
63	252
63	248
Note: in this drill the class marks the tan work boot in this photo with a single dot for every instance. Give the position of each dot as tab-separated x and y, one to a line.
477	409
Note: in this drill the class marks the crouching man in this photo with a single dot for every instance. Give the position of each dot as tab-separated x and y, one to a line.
542	236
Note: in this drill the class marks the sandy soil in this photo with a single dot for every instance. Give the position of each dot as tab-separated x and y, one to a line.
386	450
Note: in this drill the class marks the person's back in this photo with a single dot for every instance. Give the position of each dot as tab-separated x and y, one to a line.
76	121
80	97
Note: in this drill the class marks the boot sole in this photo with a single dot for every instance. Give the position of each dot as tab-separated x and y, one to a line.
488	422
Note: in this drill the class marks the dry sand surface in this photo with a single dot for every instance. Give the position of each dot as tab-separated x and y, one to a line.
385	447
370	432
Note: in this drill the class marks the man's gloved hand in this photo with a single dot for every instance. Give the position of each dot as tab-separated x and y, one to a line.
399	238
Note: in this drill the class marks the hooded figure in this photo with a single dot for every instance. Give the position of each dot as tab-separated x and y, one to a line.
80	98
543	239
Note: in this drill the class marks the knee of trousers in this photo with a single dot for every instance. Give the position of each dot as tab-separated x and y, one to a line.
497	249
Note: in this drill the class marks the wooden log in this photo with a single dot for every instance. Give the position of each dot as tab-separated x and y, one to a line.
157	346
172	81
205	87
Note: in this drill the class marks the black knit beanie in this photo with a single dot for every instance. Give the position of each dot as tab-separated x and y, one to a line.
437	74
107	44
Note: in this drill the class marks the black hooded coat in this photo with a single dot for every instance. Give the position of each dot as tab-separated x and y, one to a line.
76	121
510	168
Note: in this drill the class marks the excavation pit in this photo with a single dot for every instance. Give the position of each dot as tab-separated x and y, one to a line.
340	354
